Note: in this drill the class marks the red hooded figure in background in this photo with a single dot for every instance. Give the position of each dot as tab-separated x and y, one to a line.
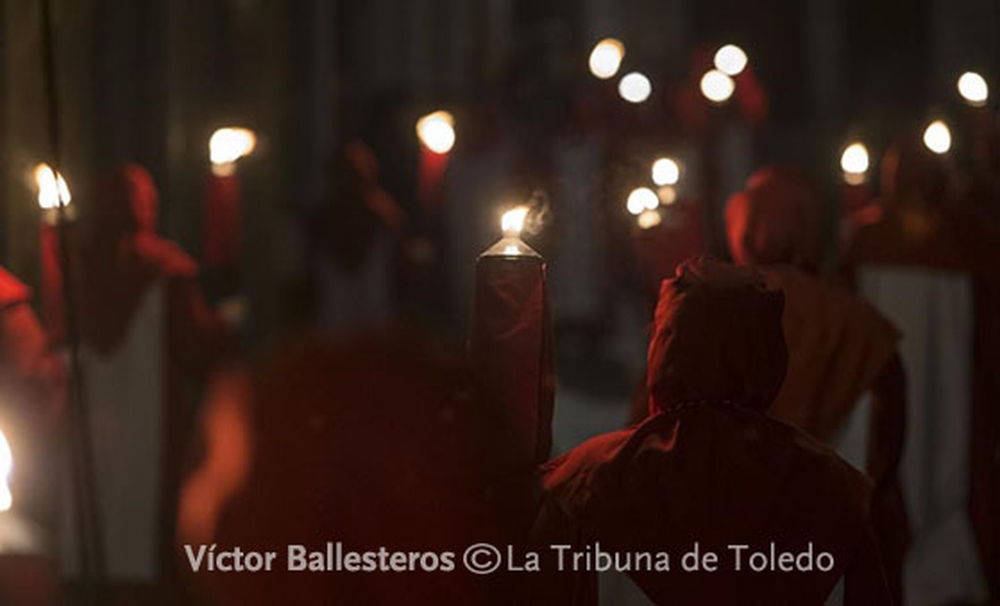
918	260
32	393
845	383
709	467
147	336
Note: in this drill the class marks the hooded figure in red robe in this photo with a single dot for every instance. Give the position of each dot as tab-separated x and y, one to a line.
919	259
708	466
147	338
32	394
844	372
371	443
32	400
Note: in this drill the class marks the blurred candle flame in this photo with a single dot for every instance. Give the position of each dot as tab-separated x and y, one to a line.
641	199
52	188
974	89
666	172
437	131
635	87
512	221
937	137
855	162
649	219
6	467
229	144
730	60
717	86
606	58
667	195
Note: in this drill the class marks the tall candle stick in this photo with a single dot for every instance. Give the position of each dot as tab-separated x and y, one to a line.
512	344
436	132
222	244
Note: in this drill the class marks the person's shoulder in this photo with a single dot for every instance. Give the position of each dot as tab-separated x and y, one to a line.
12	291
833	478
166	257
583	460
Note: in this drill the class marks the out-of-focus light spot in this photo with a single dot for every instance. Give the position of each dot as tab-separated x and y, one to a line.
649	218
606	58
641	199
52	188
855	178
635	87
973	89
666	172
937	137
717	86
227	145
854	160
6	467
667	195
512	221
730	60
437	131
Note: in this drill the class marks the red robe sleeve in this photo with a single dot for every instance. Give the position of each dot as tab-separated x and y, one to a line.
198	340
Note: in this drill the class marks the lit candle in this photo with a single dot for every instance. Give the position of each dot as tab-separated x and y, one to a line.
436	132
855	196
54	201
222	233
511	344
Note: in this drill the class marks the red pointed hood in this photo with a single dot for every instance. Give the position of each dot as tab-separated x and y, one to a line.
717	336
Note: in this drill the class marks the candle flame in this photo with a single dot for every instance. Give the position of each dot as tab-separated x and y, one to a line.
854	162
667	195
717	86
973	89
512	221
606	58
229	144
641	199
937	137
730	60
666	171
52	188
437	131
649	218
6	467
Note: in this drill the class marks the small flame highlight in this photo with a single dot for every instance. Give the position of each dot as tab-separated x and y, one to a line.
52	188
667	195
937	137
606	58
666	172
512	221
641	199
730	60
635	87
649	219
717	86
974	89
855	162
437	131
229	144
6	467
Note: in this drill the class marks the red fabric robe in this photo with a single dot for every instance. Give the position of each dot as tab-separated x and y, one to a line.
124	261
32	382
913	226
708	466
840	348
